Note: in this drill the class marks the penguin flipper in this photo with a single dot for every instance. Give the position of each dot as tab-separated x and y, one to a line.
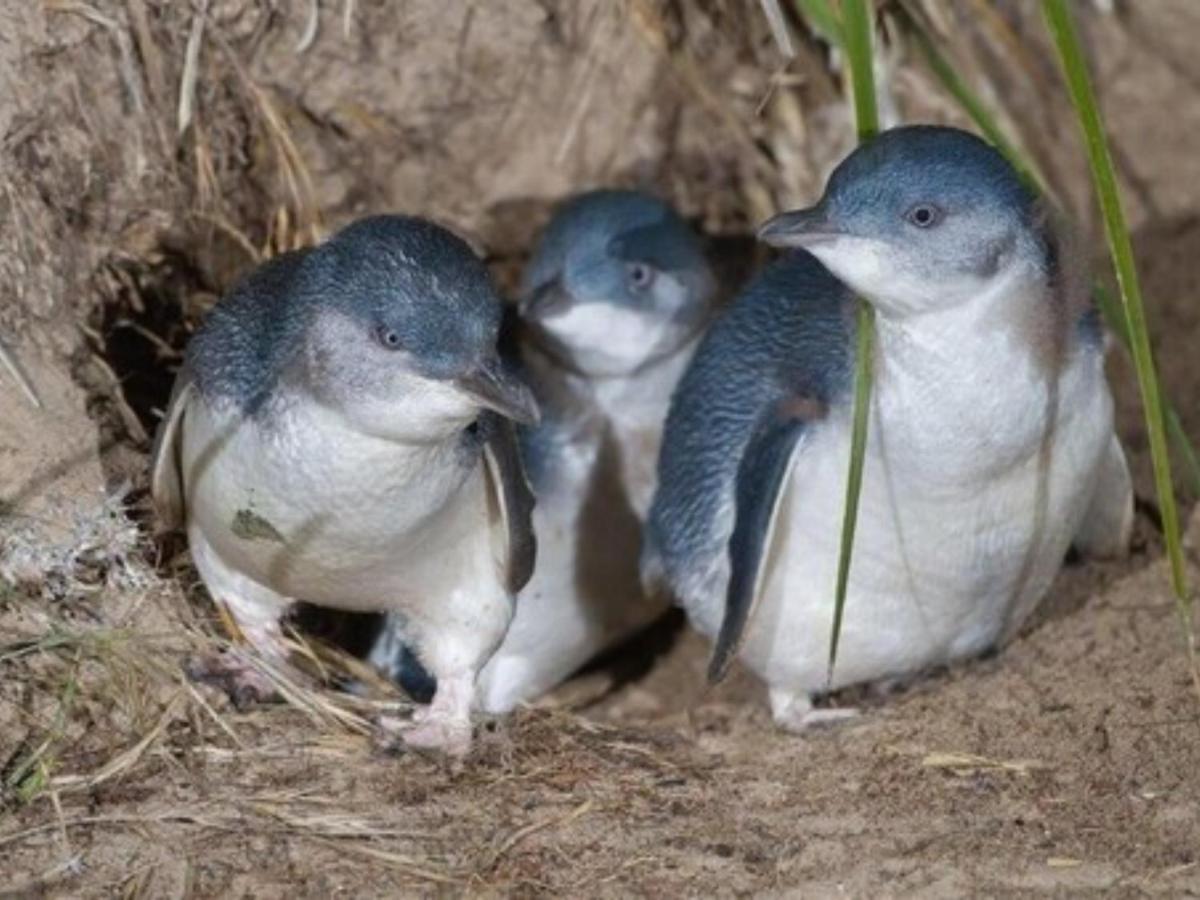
761	483
1108	523
514	501
166	474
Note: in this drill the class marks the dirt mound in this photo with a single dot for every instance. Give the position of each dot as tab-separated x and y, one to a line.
1065	763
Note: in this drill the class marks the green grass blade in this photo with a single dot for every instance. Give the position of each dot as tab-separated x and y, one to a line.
856	38
1114	315
1114	318
856	33
1062	29
864	350
958	88
822	20
1186	450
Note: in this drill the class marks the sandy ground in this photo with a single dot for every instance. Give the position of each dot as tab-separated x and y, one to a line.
1064	765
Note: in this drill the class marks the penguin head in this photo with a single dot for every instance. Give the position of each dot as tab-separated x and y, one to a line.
618	279
918	218
401	333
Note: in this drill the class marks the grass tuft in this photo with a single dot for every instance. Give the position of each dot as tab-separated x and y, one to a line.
1070	56
857	41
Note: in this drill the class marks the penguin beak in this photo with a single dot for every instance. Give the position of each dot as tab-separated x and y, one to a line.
799	228
493	387
546	299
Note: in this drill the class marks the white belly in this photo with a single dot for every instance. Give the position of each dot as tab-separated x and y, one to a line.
585	594
315	511
583	597
965	516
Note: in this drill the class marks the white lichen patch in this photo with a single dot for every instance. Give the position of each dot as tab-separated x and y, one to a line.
103	549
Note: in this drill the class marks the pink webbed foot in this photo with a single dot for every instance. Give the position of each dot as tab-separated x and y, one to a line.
443	726
794	712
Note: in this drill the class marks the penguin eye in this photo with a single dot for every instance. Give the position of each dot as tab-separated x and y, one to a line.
640	275
388	338
924	215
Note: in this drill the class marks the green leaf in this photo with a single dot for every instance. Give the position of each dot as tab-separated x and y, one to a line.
856	17
1186	449
864	350
1070	56
856	33
822	20
1114	318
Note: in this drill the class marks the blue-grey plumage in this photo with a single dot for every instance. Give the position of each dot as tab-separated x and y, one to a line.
618	282
337	434
991	445
781	353
613	301
416	288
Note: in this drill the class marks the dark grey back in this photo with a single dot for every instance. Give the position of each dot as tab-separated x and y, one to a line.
788	335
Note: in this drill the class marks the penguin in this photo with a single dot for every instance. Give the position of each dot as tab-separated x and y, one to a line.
990	451
612	305
342	432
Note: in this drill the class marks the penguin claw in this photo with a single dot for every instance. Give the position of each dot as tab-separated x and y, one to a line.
449	736
424	731
794	713
240	680
443	726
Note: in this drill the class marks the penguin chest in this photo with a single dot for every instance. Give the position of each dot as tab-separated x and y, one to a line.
317	511
635	409
585	593
962	527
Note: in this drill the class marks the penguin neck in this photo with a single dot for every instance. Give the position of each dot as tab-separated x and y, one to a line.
1016	321
629	409
973	376
564	387
647	390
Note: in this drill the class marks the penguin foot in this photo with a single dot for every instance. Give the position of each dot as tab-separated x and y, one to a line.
794	713
444	725
425	732
242	681
452	737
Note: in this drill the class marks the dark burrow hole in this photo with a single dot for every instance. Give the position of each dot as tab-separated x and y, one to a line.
141	329
151	303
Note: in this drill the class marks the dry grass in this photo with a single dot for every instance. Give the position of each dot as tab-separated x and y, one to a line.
97	711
